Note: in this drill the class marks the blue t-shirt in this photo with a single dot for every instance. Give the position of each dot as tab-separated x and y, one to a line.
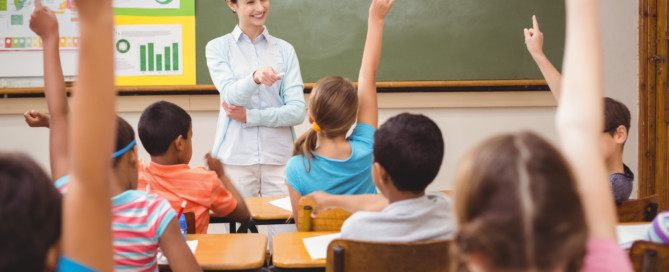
341	177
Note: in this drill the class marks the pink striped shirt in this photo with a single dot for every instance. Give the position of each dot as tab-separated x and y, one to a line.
138	221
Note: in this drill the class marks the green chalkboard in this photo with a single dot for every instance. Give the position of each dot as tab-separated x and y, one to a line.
423	39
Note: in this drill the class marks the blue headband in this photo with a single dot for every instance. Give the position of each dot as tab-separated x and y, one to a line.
123	150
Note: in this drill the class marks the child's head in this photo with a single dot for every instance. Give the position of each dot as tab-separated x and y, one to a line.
616	127
164	126
30	206
518	208
125	156
408	150
333	107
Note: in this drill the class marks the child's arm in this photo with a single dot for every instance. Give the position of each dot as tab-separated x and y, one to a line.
580	119
368	109
350	203
44	23
241	212
534	40
86	236
173	245
36	119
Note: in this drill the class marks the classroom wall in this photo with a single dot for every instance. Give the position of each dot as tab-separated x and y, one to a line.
464	119
620	35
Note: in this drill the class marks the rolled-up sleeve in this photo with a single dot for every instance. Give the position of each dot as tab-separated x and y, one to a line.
293	111
234	91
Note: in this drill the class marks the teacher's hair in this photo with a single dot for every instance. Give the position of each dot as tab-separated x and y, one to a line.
518	206
333	105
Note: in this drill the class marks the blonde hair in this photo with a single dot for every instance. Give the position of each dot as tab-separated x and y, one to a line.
333	105
518	206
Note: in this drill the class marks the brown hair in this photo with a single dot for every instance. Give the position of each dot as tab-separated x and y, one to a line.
30	207
615	115
333	105
517	205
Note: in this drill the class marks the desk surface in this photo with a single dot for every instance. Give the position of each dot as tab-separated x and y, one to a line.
289	252
230	251
261	209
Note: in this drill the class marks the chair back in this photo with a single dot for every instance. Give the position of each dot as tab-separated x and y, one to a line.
190	222
638	210
649	257
330	220
351	256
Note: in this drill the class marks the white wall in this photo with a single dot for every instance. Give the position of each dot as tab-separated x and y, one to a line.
620	35
463	122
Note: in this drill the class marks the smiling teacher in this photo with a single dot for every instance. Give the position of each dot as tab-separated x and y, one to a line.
261	95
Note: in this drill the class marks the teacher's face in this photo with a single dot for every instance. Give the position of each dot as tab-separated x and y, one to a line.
251	13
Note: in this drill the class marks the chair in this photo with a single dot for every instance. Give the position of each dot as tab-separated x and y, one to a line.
638	210
190	222
649	257
330	220
350	255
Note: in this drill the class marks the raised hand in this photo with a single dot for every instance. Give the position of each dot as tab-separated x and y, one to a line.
380	8
534	38
36	119
43	22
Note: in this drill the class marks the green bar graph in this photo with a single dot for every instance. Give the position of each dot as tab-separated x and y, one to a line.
175	56
151	63
159	62
167	58
142	57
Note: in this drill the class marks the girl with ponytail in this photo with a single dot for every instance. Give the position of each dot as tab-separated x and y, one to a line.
523	205
324	159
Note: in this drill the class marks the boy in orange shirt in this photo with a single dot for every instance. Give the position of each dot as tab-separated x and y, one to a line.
166	132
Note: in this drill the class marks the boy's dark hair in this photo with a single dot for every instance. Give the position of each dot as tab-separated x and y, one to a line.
410	147
160	124
30	206
124	135
615	114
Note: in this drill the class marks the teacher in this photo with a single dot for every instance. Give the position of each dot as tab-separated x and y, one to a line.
261	95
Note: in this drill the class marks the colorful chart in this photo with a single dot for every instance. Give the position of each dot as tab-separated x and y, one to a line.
155	50
147	4
15	25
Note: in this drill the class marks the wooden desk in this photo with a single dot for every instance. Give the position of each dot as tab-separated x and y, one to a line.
230	251
289	252
264	213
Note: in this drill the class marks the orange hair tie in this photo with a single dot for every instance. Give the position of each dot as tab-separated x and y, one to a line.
315	127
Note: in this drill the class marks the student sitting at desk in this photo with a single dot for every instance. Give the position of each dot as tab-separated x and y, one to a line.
408	150
341	165
166	133
616	118
141	223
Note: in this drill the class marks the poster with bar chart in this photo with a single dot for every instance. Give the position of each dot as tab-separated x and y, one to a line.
155	50
147	4
148	50
15	33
